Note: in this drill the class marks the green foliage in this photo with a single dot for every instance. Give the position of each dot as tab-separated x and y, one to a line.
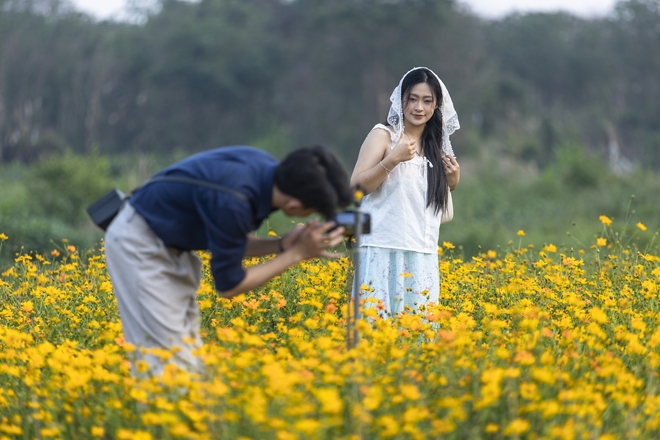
67	184
198	75
276	140
577	168
46	202
497	198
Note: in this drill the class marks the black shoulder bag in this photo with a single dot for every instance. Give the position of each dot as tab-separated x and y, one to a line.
104	210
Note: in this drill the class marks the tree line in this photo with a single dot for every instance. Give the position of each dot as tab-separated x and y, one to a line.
190	76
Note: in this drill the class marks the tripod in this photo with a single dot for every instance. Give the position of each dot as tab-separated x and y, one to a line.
352	336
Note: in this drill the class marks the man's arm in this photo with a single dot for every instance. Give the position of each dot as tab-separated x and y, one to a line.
313	241
258	246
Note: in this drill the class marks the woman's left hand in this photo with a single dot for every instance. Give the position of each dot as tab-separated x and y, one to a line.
452	170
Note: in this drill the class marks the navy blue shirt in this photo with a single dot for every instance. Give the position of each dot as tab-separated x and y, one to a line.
192	217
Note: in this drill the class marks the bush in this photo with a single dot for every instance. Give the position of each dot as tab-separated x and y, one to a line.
577	168
46	203
67	184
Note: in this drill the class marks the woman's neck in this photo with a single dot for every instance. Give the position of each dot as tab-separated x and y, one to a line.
414	132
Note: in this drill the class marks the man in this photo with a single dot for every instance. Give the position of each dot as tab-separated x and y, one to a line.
149	245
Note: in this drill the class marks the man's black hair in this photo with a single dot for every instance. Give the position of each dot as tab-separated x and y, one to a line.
315	176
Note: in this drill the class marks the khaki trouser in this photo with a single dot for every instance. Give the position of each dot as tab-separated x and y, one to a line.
156	291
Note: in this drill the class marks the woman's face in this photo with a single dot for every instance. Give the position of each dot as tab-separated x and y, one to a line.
420	105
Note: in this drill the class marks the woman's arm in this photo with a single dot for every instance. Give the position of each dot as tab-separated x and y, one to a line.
375	161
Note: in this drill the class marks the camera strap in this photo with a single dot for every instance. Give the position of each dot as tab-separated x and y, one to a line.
104	210
192	181
196	182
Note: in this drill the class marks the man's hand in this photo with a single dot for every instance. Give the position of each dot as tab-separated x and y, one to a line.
309	241
314	240
291	237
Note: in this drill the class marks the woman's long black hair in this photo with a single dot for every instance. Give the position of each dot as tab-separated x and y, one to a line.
438	190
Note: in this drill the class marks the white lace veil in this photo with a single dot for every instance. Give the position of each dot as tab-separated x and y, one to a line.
449	116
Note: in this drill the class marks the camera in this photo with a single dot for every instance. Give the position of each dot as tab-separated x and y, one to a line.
347	219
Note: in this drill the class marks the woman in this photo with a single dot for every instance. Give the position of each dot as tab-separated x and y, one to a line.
407	169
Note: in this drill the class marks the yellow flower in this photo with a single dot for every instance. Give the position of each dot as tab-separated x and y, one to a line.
125	434
390	426
330	400
550	248
283	345
517	427
358	195
307	426
49	432
284	435
3	237
521	233
447	245
641	226
502	352
605	220
491	428
410	392
27	306
528	390
598	315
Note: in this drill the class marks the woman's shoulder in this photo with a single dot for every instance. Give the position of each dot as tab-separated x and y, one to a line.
382	127
382	132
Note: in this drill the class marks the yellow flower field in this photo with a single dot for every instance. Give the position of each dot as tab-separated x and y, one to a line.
550	343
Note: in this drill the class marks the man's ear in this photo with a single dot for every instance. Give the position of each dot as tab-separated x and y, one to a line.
293	203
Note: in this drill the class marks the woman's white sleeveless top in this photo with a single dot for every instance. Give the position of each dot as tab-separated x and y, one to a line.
400	218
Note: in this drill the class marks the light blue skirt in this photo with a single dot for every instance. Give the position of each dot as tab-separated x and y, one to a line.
394	281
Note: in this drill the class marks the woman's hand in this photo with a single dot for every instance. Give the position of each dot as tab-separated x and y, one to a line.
452	170
403	151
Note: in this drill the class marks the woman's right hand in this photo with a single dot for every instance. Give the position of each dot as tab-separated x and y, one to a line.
403	151
375	161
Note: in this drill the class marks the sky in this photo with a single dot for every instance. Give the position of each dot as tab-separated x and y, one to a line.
500	8
106	9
